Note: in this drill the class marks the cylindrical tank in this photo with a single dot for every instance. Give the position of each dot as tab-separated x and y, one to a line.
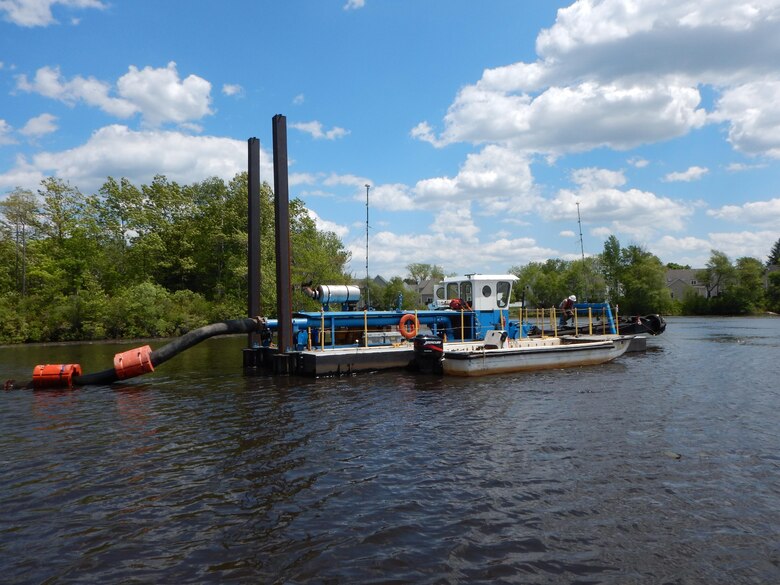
337	293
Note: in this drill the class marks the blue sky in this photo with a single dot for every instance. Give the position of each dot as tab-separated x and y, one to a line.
478	125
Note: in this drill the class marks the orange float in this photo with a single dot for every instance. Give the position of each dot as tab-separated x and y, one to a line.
133	362
55	375
404	326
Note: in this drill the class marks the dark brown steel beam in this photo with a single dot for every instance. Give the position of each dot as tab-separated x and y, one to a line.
282	223
253	235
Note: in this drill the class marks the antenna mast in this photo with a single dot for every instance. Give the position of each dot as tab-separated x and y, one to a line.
368	291
579	222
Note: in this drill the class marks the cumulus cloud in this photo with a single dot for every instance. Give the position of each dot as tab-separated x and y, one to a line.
393	252
496	178
40	125
316	130
121	152
159	95
620	74
5	133
759	213
29	13
691	174
752	112
326	225
573	118
602	199
696	251
232	89
354	4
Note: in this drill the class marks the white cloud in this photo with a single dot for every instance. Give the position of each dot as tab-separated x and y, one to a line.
759	213
328	226
572	119
157	94
232	89
746	243
752	112
620	74
390	253
315	129
31	13
497	179
353	180
40	125
120	152
637	213
5	133
741	167
354	4
393	197
48	82
691	174
638	162
299	99
162	97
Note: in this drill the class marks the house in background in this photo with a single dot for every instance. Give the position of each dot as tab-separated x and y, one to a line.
681	280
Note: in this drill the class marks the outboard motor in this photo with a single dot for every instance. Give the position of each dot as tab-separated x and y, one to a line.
428	354
655	324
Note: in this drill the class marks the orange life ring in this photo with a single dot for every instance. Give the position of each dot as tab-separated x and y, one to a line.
408	332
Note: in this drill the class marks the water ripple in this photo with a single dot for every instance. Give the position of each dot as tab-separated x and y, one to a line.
659	467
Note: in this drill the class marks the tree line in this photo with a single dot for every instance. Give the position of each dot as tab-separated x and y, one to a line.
635	280
157	260
149	261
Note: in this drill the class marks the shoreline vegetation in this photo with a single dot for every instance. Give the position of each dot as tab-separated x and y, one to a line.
159	260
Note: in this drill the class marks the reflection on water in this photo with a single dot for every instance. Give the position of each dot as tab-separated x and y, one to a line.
658	467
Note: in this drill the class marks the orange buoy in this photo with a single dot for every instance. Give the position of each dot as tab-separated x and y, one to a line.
133	362
404	326
55	375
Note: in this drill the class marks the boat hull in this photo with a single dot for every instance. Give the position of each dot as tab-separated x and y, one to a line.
532	357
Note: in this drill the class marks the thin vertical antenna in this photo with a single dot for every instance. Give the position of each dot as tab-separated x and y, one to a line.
579	222
368	290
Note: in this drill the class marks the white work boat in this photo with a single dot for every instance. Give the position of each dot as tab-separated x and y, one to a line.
499	355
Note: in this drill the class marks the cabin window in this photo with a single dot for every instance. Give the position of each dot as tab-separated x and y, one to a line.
452	290
502	293
465	292
487	291
440	292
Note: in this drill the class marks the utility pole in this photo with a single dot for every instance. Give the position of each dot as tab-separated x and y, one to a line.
368	290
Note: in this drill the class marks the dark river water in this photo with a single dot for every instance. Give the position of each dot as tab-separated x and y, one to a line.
661	467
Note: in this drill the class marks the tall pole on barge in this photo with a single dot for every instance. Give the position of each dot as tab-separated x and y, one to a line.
368	290
282	223
579	223
253	231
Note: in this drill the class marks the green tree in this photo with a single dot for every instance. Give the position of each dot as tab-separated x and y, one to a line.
397	287
718	274
774	254
773	292
749	286
20	210
612	266
644	283
544	283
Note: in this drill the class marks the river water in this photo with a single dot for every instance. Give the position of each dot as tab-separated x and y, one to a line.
661	467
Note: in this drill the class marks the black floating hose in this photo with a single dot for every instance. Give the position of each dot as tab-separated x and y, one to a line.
166	352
